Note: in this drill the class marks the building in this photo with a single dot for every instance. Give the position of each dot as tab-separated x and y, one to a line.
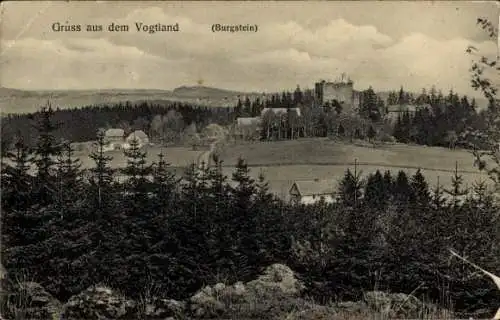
310	192
113	138
140	136
247	128
279	111
392	112
341	90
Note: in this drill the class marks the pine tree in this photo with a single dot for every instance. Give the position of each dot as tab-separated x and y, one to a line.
46	150
164	182
402	189
420	195
245	187
243	219
17	182
341	130
375	193
438	201
137	171
398	129
388	184
101	176
371	133
457	191
350	188
70	187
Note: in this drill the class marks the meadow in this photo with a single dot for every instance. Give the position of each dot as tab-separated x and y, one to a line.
284	162
177	157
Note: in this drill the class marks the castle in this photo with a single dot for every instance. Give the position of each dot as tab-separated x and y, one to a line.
341	90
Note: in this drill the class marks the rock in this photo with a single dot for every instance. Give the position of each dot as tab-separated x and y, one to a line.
272	293
219	287
99	302
29	300
352	307
239	288
397	304
164	308
204	304
277	277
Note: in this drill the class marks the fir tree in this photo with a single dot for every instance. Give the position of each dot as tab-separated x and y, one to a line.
137	171
341	130
164	182
351	187
438	201
17	182
402	189
46	150
420	188
375	193
456	182
101	176
69	176
244	221
371	133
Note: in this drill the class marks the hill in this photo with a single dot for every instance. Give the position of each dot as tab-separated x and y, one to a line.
26	101
205	92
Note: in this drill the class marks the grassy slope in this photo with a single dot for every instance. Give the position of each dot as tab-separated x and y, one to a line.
286	161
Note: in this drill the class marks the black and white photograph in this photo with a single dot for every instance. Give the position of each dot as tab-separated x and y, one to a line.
250	160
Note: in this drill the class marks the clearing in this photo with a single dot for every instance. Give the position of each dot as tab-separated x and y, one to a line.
283	162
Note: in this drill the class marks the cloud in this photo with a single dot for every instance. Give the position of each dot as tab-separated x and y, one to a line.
279	56
78	63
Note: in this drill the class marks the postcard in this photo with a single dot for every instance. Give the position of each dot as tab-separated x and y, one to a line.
250	159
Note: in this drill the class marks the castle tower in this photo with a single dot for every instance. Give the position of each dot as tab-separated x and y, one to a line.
341	90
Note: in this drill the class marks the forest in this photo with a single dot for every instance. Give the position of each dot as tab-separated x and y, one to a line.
447	121
67	231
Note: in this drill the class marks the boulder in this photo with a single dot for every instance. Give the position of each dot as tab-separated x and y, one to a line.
29	300
204	304
164	308
397	304
274	292
99	302
277	277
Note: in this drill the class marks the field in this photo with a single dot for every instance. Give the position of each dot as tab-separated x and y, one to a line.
287	161
177	157
307	159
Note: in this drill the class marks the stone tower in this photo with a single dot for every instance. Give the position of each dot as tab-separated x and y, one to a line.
341	90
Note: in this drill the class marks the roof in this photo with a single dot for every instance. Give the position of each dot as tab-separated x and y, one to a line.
137	134
242	121
279	111
114	133
315	187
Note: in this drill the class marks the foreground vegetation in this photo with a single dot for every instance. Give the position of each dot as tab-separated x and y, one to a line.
388	232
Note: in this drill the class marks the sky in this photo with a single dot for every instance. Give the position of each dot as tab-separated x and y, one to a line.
379	44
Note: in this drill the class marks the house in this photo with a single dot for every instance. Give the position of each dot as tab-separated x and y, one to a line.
392	112
312	191
279	111
247	127
113	138
140	136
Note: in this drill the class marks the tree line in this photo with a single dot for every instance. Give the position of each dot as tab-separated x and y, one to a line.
69	230
165	121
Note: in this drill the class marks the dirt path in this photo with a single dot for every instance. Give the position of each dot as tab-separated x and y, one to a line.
206	156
